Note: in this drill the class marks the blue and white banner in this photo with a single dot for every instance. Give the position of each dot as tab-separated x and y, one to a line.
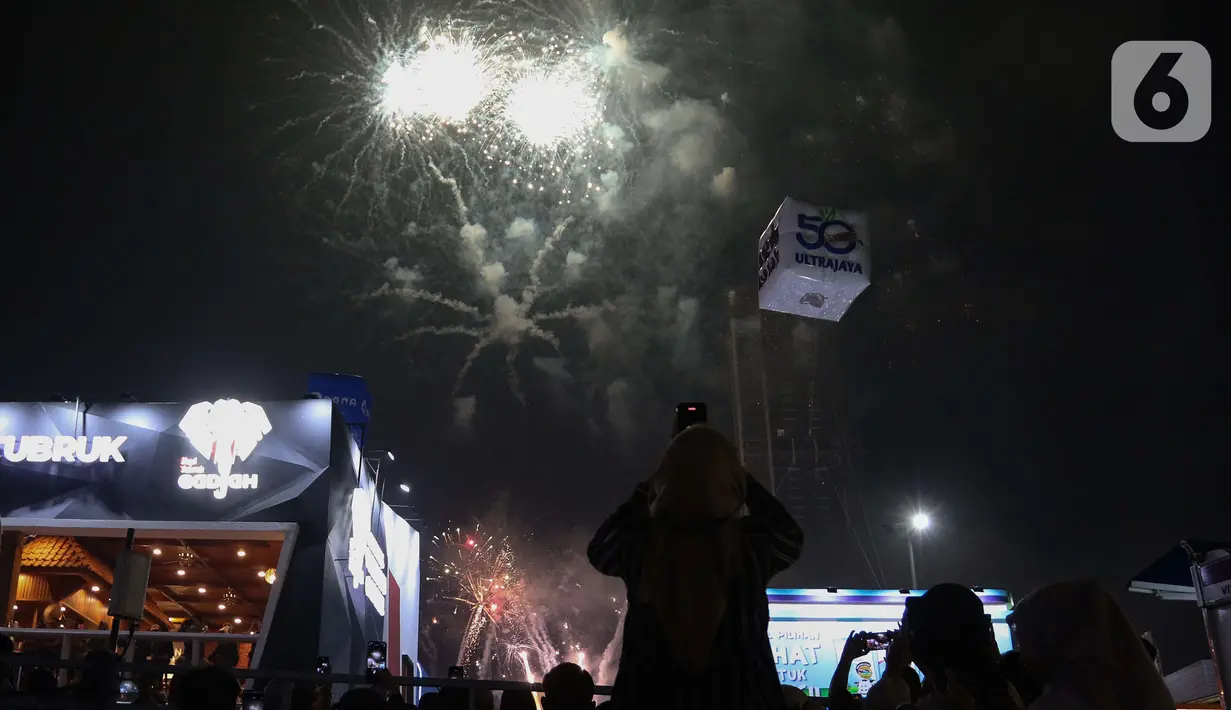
809	627
351	395
813	261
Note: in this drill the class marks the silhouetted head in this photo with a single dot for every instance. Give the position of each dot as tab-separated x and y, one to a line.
205	689
568	687
794	697
1074	636
459	699
948	629
361	699
517	700
700	479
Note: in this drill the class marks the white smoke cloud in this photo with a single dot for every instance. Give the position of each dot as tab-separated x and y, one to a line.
599	335
401	275
723	184
511	322
463	411
617	45
687	131
615	136
474	236
608	197
521	229
554	368
493	276
573	262
632	72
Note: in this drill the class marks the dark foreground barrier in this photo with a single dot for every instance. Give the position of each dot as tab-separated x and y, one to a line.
278	685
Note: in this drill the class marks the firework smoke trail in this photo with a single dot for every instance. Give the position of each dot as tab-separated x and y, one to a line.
414	294
608	662
537	636
511	320
531	292
443	330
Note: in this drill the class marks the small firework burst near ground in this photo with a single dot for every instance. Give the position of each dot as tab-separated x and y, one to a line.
519	621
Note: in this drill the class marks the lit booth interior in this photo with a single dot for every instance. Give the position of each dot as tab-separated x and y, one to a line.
263	526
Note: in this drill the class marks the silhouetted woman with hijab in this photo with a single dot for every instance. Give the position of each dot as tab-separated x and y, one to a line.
1076	642
696	546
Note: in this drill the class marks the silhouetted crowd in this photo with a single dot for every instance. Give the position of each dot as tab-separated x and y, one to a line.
696	546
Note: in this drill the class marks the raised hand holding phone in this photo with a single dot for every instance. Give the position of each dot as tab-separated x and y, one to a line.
688	414
856	645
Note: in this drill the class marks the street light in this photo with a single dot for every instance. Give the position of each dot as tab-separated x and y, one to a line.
405	488
374	459
919	522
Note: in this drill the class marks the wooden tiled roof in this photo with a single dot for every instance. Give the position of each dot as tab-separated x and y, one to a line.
50	552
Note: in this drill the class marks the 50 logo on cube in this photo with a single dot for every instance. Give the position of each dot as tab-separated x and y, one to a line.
1161	92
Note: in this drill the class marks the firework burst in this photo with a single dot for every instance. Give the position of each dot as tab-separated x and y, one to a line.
476	572
517	623
532	118
528	111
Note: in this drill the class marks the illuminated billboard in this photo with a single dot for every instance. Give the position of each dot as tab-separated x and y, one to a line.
221	459
808	627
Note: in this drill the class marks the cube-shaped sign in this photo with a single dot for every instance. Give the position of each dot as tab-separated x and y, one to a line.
813	261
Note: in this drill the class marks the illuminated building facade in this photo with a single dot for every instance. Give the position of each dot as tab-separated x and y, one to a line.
261	522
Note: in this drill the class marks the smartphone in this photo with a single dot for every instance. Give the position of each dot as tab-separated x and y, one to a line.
323	666
376	657
689	413
253	700
879	641
457	672
128	693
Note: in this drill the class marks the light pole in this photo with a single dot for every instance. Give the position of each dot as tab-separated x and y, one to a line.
918	523
374	460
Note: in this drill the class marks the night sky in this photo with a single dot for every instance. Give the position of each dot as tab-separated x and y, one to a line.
1042	377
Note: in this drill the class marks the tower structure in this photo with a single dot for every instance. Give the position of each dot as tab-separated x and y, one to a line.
790	425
